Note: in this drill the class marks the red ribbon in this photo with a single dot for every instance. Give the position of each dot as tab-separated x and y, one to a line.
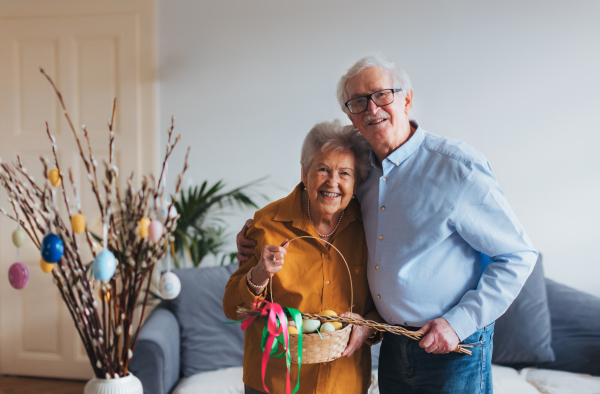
272	311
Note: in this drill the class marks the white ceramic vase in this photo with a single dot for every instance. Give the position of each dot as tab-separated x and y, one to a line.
127	385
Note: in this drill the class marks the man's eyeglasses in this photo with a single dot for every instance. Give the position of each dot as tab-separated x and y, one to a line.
381	98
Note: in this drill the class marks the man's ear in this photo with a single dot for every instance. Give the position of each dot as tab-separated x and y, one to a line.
408	100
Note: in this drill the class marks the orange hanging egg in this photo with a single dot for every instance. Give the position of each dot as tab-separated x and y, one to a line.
54	177
46	267
144	224
78	223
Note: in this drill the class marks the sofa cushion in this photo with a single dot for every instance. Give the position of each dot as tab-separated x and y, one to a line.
575	329
523	335
206	344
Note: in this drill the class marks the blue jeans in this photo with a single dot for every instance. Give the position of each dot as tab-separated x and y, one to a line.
404	367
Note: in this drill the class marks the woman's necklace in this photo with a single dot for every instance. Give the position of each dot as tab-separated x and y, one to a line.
331	233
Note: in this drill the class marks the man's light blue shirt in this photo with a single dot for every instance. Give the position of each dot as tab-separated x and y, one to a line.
433	211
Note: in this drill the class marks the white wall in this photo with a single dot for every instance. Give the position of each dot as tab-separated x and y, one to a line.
519	81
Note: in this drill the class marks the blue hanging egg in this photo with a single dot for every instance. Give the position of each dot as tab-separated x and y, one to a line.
105	265
52	248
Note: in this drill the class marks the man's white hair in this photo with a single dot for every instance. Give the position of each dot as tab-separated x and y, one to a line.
400	78
333	135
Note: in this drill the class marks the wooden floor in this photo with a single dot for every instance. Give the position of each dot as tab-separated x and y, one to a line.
16	385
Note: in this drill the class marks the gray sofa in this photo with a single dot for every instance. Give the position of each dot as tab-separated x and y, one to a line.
549	325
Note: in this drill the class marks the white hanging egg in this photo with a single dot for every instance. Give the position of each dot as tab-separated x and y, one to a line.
169	285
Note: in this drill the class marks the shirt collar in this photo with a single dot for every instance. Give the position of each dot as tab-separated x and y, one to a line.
398	156
290	210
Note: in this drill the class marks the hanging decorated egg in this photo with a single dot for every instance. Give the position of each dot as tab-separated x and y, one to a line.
144	224
155	231
46	267
105	265
52	248
169	285
19	236
78	223
18	275
54	177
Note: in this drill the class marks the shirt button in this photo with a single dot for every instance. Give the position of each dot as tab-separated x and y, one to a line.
378	296
381	237
383	208
327	282
397	163
384	179
376	267
326	257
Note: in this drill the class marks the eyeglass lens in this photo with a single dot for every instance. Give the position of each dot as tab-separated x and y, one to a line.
381	98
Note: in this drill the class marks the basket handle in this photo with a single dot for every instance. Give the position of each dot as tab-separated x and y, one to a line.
343	258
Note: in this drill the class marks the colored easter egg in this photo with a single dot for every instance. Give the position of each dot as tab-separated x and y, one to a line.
155	230
327	327
52	248
169	285
54	177
144	224
104	265
19	236
18	275
292	330
310	326
46	267
78	223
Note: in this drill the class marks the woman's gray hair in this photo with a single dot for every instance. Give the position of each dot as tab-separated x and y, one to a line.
400	78
333	135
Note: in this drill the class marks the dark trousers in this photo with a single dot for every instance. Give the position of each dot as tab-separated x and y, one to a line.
250	390
404	367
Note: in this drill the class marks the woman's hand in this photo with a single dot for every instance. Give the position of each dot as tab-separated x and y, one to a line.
359	334
271	262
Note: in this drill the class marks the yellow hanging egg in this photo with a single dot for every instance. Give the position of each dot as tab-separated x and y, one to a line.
144	224
78	223
46	267
54	177
106	296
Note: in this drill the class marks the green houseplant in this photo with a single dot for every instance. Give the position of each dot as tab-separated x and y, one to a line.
200	228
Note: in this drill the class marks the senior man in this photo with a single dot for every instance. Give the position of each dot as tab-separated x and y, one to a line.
447	255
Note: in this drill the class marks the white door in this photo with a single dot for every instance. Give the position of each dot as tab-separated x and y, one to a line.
94	51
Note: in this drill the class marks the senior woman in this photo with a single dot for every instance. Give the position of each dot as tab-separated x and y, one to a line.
314	277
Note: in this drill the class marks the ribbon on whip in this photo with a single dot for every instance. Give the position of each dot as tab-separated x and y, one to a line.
275	333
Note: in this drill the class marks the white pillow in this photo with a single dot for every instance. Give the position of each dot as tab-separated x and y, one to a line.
221	381
510	381
559	382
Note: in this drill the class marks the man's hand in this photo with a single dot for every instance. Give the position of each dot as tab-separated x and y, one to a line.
440	337
245	246
358	336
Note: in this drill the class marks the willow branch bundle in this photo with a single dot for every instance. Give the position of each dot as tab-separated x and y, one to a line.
397	330
107	330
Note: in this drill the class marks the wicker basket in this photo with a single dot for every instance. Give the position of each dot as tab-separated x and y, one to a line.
315	350
330	347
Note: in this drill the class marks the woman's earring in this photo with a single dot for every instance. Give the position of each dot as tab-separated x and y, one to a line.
305	188
354	196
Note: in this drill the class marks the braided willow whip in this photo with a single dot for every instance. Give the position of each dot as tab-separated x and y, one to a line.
397	330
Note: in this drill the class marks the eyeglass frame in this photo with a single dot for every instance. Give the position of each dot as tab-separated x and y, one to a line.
370	97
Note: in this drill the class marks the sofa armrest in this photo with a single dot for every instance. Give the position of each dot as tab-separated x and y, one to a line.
156	358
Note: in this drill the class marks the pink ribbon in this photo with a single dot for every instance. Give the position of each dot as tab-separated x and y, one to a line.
272	311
